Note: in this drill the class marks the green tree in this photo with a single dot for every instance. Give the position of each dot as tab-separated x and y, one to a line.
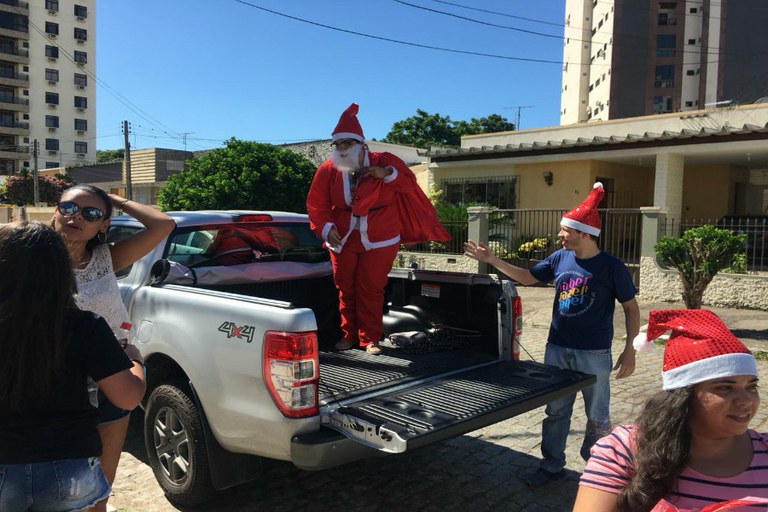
242	175
491	124
109	155
21	188
698	256
425	130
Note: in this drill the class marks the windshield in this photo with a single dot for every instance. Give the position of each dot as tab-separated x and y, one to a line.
235	244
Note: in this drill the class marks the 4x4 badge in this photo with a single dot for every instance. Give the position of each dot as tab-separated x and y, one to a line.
233	331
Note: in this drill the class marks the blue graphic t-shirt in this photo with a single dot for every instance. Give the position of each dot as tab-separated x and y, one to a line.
585	299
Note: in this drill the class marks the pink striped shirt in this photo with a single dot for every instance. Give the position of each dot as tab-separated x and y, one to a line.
609	470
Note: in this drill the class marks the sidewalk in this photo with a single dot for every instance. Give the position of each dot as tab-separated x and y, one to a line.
751	326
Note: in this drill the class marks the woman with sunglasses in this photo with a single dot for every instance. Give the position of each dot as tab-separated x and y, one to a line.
82	217
49	443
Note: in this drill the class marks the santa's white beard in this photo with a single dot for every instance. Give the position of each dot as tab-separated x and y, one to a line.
347	160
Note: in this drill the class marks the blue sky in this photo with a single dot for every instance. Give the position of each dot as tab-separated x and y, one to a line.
209	70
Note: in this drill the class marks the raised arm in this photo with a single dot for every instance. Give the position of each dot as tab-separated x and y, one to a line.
482	253
158	226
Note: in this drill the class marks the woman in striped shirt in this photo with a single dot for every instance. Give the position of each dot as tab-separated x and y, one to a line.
691	446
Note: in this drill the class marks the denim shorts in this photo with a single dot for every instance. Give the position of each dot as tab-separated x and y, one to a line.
56	486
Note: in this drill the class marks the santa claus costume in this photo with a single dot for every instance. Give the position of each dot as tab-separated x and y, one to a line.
372	216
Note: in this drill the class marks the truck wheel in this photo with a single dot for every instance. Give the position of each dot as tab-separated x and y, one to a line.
175	443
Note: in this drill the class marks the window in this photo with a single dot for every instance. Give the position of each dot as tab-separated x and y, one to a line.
688	103
693	10
52	121
81	125
500	192
81	80
81	34
81	11
52	144
690	72
52	98
51	28
665	76
691	41
665	45
81	147
52	75
52	52
51	165
81	57
52	5
662	104
81	102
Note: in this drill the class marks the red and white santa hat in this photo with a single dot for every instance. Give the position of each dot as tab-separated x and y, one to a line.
348	126
699	348
585	217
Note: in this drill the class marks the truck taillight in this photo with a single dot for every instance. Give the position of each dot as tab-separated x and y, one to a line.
517	326
291	371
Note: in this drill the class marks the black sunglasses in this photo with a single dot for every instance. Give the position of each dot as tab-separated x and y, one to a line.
89	213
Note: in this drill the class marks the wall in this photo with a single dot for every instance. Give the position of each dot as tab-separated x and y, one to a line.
725	290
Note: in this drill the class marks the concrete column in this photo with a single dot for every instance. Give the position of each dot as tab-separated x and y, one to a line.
478	229
668	188
652	229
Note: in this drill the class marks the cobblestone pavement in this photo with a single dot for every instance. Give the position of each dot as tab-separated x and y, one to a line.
475	472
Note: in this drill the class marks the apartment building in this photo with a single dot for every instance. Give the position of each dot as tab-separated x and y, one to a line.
628	58
47	89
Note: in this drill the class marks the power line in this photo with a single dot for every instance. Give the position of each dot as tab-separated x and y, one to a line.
396	41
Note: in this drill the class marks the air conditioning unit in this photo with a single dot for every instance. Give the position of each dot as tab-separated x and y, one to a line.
51	82
80	41
80	109
51	11
52	36
51	129
51	59
80	18
81	155
80	132
52	152
81	87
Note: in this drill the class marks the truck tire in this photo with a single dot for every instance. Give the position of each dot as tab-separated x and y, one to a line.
175	444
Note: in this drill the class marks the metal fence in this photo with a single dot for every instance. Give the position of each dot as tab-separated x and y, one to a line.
754	227
524	237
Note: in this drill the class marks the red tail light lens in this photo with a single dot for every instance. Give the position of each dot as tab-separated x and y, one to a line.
291	372
517	325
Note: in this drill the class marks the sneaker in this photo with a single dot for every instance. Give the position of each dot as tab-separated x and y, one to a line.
344	344
541	477
373	349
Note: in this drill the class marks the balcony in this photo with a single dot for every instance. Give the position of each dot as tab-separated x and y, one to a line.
11	54
14	152
14	79
14	104
15	6
14	128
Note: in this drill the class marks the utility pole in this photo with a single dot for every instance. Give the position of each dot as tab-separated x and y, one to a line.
517	118
127	161
36	193
184	138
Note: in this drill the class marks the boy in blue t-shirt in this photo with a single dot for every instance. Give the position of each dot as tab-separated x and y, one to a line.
588	282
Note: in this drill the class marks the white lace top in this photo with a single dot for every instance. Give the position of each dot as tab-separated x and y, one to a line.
97	289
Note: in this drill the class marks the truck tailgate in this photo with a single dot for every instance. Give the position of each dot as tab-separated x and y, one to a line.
454	404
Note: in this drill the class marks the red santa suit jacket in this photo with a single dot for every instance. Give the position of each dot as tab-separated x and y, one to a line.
387	211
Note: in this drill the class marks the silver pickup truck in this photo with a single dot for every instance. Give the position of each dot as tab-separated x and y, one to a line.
236	314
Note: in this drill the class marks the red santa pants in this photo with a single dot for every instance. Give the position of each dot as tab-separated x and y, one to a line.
360	277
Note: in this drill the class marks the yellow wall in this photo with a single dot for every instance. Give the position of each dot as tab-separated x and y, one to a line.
571	182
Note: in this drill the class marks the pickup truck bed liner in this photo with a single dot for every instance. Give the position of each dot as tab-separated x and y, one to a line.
352	371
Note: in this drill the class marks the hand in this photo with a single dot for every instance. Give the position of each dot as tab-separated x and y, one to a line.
117	201
480	251
333	236
625	363
376	171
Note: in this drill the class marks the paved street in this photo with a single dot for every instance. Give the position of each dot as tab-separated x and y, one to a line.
476	472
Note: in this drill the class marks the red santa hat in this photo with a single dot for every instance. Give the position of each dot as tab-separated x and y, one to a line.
699	348
348	126
585	217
